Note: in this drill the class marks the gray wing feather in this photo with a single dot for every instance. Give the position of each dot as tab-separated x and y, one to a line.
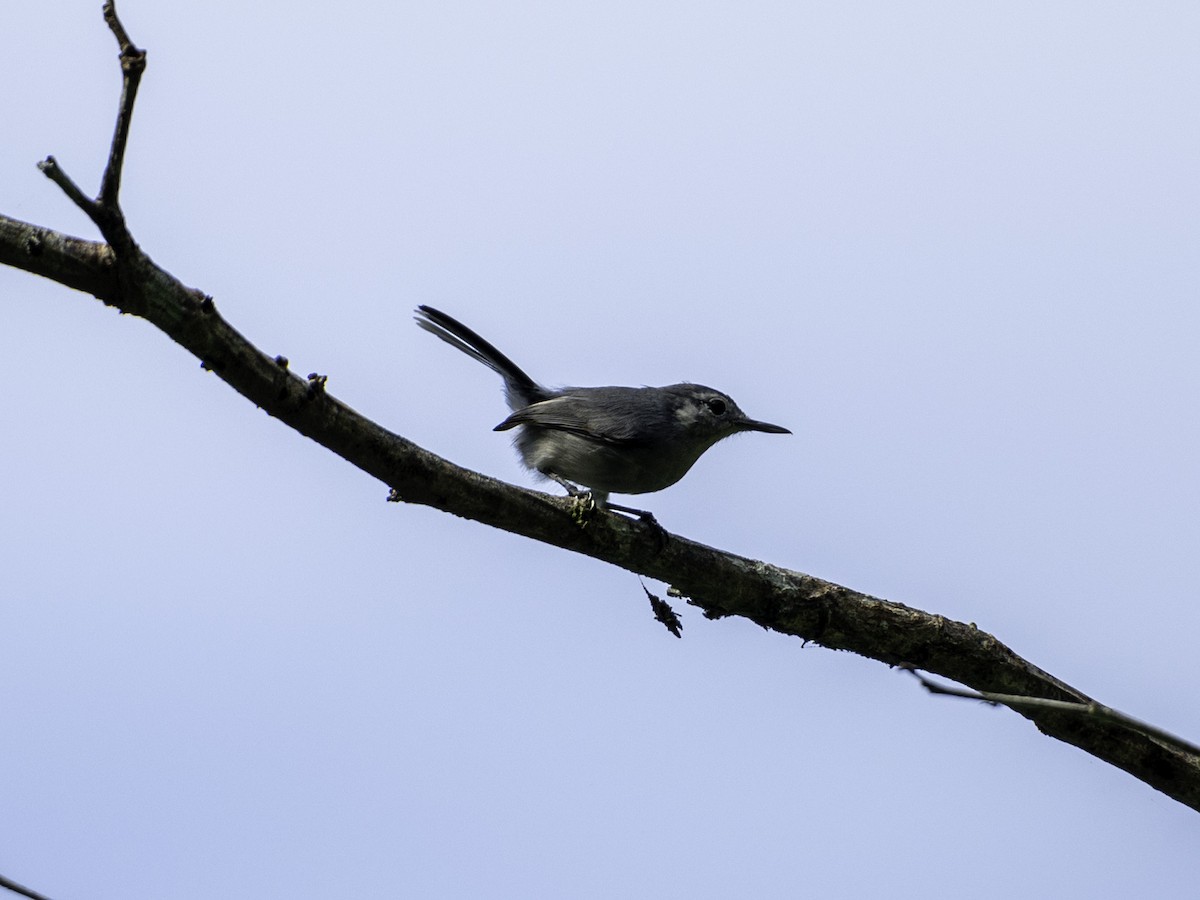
611	421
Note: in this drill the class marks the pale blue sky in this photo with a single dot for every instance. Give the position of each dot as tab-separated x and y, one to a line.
954	247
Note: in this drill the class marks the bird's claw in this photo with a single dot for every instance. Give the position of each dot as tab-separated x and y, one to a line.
583	507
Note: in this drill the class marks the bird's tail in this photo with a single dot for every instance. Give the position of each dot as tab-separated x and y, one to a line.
520	389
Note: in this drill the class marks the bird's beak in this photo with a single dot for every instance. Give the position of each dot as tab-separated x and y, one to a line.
755	425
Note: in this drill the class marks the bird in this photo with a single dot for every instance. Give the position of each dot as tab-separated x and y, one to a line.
607	440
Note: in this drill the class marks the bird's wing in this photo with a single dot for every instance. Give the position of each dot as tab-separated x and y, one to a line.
605	422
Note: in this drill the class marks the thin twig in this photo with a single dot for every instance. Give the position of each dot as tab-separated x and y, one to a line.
21	889
133	63
1091	709
118	30
51	169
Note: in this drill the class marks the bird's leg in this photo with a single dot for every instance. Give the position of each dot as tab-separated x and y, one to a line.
573	489
588	501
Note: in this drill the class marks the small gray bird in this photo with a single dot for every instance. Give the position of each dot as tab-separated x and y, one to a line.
611	440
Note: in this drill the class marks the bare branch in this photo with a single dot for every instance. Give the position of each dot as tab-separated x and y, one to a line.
51	169
87	266
133	64
118	30
21	889
1091	708
105	210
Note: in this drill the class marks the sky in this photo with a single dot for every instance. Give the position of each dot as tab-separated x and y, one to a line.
954	247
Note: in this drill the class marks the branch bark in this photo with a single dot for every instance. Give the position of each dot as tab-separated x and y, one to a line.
722	584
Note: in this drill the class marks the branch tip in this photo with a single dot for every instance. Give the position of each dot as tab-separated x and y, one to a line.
114	24
52	170
1085	708
133	63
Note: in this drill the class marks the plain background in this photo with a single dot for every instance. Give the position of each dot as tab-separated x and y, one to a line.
955	247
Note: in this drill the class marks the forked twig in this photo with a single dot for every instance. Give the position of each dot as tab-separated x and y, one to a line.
105	210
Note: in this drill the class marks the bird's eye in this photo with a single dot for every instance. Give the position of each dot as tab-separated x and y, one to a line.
715	405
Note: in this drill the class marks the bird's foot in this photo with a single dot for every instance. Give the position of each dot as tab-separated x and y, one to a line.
584	503
646	518
583	507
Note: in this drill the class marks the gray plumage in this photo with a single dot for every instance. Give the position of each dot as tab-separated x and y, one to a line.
621	440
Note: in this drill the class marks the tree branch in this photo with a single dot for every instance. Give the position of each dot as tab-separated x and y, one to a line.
105	210
87	266
133	64
1092	708
11	885
722	584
